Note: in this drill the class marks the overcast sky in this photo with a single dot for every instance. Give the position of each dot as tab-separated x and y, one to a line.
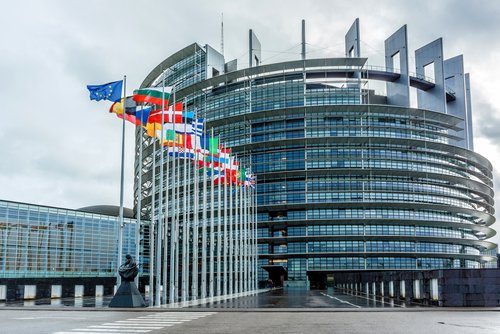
58	148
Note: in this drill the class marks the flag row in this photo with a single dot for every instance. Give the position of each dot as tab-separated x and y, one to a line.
178	130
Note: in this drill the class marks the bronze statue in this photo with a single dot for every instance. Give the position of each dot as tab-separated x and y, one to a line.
127	294
128	271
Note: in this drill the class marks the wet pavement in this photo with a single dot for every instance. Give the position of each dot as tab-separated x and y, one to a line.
61	302
302	298
277	298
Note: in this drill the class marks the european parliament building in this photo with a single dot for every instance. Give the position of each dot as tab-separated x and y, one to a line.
347	178
349	181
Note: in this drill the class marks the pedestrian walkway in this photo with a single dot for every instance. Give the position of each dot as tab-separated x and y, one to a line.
143	324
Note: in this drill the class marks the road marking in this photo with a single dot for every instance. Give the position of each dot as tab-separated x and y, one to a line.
129	324
340	300
379	301
123	322
110	330
142	324
128	327
80	333
37	318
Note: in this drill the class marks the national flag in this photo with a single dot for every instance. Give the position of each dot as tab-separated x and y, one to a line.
171	114
213	145
155	95
151	129
224	156
250	181
170	117
201	144
111	91
198	127
216	159
216	175
180	127
181	153
241	176
133	113
173	139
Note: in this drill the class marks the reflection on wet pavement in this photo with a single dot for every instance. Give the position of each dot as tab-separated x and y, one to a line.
302	298
276	298
61	302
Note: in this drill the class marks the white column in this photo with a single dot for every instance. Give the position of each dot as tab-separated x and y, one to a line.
391	289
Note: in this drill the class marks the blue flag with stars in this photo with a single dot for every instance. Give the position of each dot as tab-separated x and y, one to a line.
111	91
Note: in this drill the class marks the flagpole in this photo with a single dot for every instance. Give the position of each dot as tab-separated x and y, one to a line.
177	218
120	219
245	217
160	202
184	220
188	217
219	237
230	283
252	238
256	247
165	219
237	235
242	236
165	231
204	226
173	227
224	235
212	223
139	197
194	286
243	239
188	220
152	227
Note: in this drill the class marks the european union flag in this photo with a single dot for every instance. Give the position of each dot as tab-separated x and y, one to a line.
111	91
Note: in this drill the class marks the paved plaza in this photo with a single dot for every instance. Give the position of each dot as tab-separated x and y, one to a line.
276	311
105	321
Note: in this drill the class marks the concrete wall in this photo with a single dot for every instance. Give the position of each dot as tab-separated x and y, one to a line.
38	288
446	287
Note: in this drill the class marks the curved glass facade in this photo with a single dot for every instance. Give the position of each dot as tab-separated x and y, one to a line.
345	179
40	241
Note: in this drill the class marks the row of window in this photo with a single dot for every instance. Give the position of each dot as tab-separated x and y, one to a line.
367	246
353	229
368	213
297	268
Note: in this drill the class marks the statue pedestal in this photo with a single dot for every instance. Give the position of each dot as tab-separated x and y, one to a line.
127	296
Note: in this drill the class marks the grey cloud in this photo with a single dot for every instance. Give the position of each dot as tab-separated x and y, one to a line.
60	149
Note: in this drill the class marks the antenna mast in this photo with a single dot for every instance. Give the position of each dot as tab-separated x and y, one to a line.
222	34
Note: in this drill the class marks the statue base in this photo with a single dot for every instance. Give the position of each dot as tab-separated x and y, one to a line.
127	296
